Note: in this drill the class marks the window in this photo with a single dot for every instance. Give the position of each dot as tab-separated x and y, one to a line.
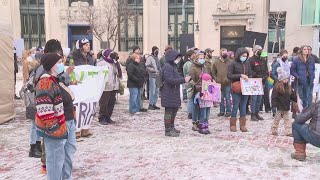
175	21
90	2
277	24
310	14
32	23
131	28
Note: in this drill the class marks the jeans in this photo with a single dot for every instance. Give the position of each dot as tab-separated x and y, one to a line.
195	112
135	98
239	101
306	94
60	153
225	95
255	103
190	106
301	133
153	91
34	137
204	114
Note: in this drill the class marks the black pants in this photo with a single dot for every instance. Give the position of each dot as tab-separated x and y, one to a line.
266	99
106	103
169	117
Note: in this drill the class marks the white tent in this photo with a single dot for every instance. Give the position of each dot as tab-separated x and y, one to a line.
7	111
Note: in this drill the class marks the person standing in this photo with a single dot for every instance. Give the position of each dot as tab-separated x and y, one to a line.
239	68
259	70
209	60
197	68
186	68
56	125
295	53
154	69
315	57
303	69
170	91
108	98
220	73
266	87
82	56
135	83
163	58
282	94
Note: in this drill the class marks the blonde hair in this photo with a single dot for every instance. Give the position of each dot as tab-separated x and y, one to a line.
134	56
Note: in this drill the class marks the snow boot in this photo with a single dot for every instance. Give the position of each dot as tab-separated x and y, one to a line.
34	151
300	153
233	124
243	122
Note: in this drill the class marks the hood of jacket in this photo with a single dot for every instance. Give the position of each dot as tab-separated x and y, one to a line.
172	55
239	52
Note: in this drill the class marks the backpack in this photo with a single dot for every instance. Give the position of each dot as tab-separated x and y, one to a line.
28	94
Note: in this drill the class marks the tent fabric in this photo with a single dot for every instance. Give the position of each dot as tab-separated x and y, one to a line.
7	109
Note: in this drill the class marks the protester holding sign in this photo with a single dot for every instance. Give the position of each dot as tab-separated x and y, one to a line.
259	70
240	68
108	98
303	69
55	118
198	66
170	92
282	94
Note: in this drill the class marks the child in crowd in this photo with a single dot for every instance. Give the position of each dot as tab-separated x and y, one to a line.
204	104
281	96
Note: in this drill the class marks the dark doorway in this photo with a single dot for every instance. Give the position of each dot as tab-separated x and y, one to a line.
78	32
231	37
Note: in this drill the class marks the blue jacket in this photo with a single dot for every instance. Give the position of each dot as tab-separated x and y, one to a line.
170	92
299	70
274	73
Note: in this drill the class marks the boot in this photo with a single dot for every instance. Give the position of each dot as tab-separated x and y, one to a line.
243	122
300	153
190	116
103	121
254	117
195	126
172	133
259	117
156	107
233	124
202	129
151	107
38	146
86	133
109	121
206	125
34	151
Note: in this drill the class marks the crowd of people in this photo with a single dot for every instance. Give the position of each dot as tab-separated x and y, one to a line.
53	114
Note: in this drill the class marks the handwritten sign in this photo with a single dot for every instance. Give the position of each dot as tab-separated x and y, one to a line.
252	86
211	91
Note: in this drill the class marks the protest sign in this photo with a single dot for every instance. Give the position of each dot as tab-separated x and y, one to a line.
91	83
211	91
252	86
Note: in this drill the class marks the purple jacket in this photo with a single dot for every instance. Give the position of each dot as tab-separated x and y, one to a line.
170	92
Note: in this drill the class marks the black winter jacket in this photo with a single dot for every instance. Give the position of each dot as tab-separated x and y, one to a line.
135	75
236	67
259	67
282	101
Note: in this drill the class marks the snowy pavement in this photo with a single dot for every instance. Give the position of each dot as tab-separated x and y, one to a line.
136	148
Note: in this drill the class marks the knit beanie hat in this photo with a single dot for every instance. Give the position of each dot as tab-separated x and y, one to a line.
256	48
82	42
48	60
206	77
106	53
264	54
282	75
168	47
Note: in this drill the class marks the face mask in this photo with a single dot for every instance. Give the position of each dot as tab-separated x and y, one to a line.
177	61
202	61
243	59
224	56
60	68
156	52
284	58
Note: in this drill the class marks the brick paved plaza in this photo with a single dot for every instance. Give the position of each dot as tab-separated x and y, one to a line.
136	148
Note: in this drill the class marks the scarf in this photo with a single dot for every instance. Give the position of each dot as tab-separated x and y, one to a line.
284	65
109	60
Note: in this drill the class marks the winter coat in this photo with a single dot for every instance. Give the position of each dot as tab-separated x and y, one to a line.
170	92
142	66
275	65
152	64
209	64
311	113
259	67
195	70
186	67
304	72
282	101
236	67
220	71
135	75
162	60
112	83
80	59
